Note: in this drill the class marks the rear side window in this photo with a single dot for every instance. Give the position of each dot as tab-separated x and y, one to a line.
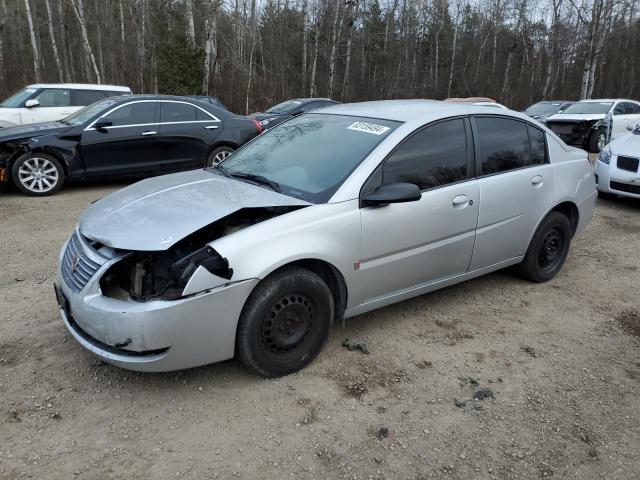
538	145
54	98
140	113
434	156
87	97
504	144
178	112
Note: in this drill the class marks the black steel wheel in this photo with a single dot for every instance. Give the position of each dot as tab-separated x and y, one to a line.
548	249
285	322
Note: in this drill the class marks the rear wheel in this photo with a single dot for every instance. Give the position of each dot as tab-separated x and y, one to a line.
37	174
285	322
217	155
597	141
548	249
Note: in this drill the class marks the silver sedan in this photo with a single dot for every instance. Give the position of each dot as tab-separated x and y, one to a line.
329	215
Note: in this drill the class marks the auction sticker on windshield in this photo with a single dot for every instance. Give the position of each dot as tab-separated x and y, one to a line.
368	128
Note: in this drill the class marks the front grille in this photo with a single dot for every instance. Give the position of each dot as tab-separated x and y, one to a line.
629	164
625	187
77	265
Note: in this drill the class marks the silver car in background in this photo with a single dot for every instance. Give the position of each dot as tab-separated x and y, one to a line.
327	216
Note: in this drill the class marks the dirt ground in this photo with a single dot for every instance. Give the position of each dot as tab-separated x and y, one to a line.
561	362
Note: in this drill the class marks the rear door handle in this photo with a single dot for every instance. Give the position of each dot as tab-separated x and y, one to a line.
537	180
148	133
211	127
460	200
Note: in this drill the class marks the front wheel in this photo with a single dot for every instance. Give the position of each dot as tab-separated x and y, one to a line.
37	174
548	249
597	141
285	322
217	155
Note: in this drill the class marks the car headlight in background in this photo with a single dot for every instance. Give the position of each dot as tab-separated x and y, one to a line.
604	156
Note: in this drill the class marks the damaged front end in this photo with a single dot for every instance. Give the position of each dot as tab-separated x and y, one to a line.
163	275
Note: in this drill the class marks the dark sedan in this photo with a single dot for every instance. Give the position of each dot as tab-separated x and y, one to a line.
132	136
291	108
541	110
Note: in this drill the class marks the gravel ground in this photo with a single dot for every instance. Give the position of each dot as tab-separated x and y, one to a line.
555	369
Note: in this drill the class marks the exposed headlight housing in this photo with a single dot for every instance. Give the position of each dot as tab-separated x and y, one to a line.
605	156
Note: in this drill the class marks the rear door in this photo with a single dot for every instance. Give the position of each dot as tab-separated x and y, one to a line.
128	145
186	135
515	181
407	245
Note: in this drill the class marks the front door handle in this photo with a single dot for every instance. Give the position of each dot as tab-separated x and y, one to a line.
537	180
460	200
148	133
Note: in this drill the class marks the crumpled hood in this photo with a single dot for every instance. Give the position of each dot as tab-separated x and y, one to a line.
33	130
627	145
156	213
578	117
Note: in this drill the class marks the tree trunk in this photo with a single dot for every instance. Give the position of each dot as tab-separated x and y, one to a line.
142	53
122	36
78	9
191	28
303	72
54	44
34	43
347	67
3	17
453	58
312	89
335	34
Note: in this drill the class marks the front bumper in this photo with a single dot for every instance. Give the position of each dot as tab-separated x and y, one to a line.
156	335
613	180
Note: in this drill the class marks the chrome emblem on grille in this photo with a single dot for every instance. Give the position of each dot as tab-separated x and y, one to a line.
74	263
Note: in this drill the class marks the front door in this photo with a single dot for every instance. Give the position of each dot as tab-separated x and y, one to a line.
624	114
53	104
408	245
515	180
127	146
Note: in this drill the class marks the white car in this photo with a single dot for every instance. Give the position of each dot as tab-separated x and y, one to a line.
618	166
584	123
52	102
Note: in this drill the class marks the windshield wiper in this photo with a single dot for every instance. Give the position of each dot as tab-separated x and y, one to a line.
222	170
259	179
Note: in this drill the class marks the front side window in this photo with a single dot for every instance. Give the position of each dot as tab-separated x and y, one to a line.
54	98
434	156
631	108
310	156
87	113
17	99
504	144
139	113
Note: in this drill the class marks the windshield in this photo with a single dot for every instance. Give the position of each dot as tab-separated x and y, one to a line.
589	107
310	156
544	108
285	107
17	99
87	113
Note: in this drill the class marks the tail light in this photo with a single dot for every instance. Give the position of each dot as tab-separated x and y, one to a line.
257	124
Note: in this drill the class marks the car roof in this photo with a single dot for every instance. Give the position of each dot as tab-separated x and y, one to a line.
80	86
600	100
414	111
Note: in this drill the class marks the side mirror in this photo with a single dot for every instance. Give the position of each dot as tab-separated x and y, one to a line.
102	125
393	193
31	103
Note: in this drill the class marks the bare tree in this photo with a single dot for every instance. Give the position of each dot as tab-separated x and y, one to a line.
34	43
78	9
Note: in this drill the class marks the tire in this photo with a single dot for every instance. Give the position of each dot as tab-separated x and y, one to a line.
607	196
218	154
597	141
285	322
548	249
37	174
